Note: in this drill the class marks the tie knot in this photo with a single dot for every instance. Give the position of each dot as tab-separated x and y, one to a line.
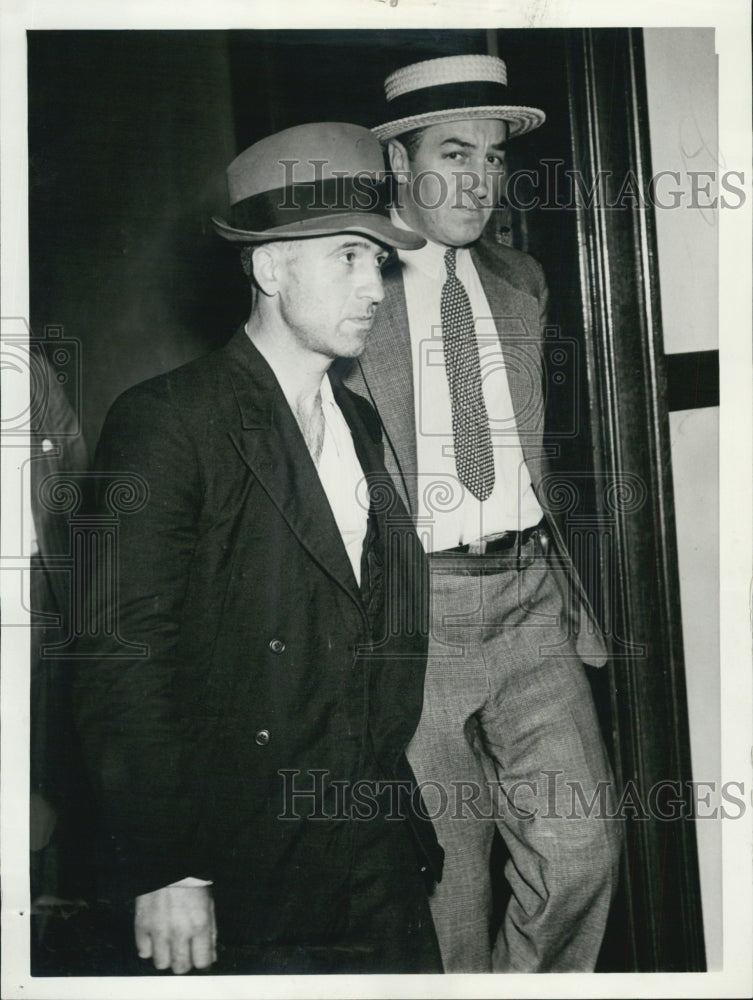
449	261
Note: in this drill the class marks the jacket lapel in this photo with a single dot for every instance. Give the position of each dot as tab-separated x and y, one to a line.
518	322
387	369
367	441
270	443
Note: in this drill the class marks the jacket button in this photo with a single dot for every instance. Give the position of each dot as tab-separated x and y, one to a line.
277	646
262	737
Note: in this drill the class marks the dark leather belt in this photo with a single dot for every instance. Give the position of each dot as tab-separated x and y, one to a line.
507	547
497	543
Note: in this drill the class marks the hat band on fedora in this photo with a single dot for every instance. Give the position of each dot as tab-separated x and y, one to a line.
305	202
447	96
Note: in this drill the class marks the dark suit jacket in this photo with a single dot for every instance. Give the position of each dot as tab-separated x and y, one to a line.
259	653
516	291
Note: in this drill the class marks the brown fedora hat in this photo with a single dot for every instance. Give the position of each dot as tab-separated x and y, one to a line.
449	88
311	180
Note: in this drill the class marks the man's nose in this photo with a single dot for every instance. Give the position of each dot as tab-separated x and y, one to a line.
483	181
473	186
372	287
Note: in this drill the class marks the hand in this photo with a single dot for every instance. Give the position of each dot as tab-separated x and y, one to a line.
175	927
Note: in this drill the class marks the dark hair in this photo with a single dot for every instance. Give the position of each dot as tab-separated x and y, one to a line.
247	257
246	260
411	140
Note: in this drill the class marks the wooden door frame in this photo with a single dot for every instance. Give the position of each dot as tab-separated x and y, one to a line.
629	426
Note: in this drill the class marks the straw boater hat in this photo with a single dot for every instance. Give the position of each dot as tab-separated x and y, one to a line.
311	180
444	90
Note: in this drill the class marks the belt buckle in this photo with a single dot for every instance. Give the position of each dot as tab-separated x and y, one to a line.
540	544
538	541
523	561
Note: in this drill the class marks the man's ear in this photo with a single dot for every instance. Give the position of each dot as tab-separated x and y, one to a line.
399	160
267	264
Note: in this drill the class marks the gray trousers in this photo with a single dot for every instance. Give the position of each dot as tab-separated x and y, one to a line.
509	737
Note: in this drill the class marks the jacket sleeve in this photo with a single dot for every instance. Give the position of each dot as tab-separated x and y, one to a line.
133	737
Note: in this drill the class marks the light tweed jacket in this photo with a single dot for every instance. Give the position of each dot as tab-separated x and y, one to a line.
516	291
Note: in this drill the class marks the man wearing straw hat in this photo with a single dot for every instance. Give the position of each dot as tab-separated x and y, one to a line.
508	733
246	718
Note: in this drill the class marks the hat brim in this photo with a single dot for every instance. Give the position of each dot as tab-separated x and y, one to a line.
374	226
519	118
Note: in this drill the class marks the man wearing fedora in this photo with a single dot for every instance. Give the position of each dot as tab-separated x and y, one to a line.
246	715
508	731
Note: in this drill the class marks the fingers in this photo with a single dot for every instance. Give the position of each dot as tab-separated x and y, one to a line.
175	927
143	939
202	950
181	955
161	952
214	930
204	941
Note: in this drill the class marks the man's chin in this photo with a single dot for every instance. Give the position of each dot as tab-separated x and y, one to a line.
354	352
468	228
354	347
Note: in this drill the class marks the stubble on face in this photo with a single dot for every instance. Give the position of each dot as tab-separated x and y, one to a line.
331	291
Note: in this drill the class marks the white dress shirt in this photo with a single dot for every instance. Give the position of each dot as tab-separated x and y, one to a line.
448	514
340	472
342	477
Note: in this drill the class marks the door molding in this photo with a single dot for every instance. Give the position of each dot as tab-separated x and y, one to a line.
638	577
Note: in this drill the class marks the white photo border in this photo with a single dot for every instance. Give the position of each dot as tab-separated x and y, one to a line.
731	21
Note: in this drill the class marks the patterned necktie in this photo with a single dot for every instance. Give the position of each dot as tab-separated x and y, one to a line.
474	458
